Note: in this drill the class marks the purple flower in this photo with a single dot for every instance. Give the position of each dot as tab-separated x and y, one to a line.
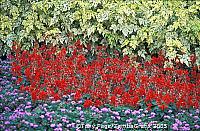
167	117
69	99
78	121
185	128
53	102
7	122
93	108
63	110
112	117
197	126
35	126
118	117
52	125
129	120
73	102
26	122
97	110
153	114
64	120
28	113
115	113
42	116
47	114
104	109
4	77
127	112
196	117
20	98
146	111
82	118
143	115
7	109
170	111
13	78
79	102
31	124
187	125
135	112
73	124
88	126
197	111
78	108
178	121
175	127
175	124
69	125
58	129
139	120
81	112
59	125
27	107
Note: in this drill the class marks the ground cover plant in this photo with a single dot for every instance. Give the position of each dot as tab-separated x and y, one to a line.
102	87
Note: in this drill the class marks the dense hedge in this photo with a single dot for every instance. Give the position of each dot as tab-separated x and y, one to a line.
136	26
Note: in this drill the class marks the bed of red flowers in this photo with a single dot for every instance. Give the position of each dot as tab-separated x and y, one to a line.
51	73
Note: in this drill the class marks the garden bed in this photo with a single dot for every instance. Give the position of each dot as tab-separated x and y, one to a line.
20	111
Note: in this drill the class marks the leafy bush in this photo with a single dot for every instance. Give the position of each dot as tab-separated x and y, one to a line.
135	26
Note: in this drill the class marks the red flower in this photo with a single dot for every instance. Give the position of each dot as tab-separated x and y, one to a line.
22	88
193	58
126	98
78	44
167	99
113	100
162	106
98	103
134	100
42	95
77	95
118	91
149	105
19	80
87	103
34	95
56	96
27	72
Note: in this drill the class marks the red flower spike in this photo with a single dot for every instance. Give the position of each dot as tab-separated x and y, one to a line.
87	103
77	96
162	107
113	100
98	103
34	96
56	96
42	95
